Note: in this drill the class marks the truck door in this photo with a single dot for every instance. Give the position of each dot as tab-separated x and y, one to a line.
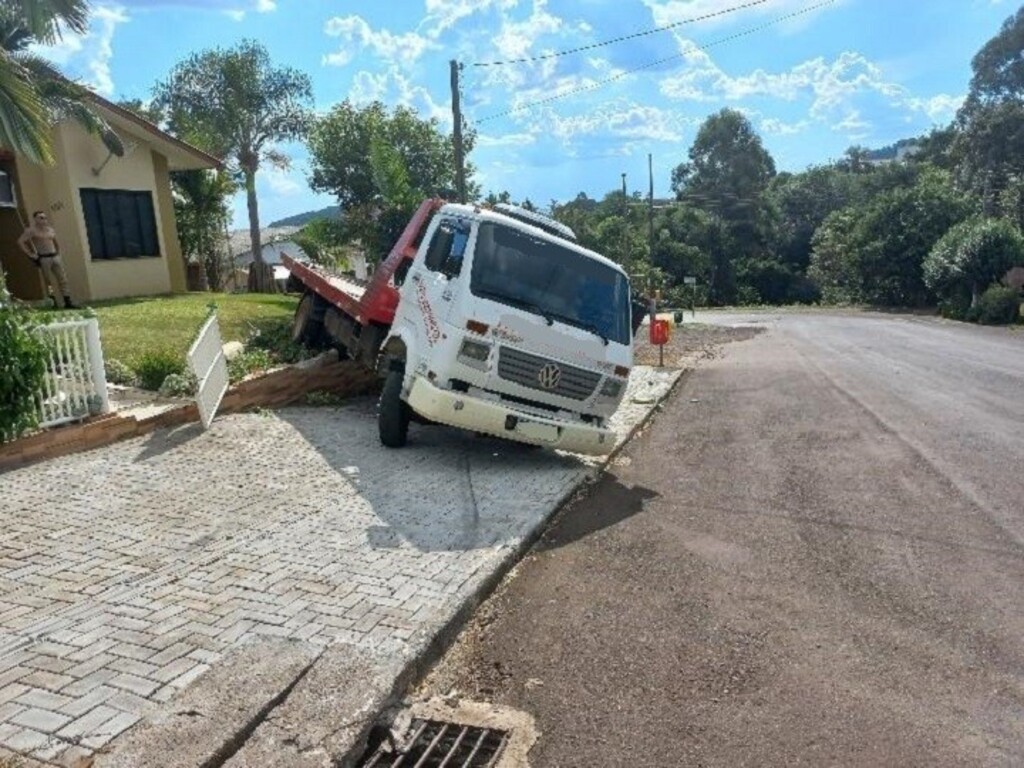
435	282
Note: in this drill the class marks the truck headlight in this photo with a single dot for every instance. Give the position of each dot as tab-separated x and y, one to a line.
611	388
475	351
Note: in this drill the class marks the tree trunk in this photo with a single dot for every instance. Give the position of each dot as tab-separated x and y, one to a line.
261	274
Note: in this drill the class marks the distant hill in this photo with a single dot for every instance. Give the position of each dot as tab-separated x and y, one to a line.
302	219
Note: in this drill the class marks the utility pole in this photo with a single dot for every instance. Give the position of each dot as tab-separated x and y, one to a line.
650	207
625	225
460	159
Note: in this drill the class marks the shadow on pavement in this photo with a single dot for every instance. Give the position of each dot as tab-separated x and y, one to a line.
606	504
163	441
447	490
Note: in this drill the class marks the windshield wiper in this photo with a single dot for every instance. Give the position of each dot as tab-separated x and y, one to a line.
529	306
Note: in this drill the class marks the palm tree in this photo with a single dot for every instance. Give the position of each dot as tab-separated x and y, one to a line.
34	95
201	208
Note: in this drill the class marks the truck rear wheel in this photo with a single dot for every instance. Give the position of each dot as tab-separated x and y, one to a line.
393	414
307	328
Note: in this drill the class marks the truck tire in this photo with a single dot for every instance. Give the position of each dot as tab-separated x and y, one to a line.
393	414
307	328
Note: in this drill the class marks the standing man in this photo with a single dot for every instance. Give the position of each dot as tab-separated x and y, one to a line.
39	242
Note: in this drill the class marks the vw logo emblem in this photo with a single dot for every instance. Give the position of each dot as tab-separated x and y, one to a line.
549	376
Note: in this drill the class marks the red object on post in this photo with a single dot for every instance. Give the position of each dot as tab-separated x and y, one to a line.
659	332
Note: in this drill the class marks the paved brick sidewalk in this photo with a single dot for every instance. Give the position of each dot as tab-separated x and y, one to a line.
125	573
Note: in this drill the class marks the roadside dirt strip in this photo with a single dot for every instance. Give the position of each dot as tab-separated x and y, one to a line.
812	557
255	594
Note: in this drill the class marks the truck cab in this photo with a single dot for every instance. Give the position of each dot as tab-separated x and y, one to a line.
507	326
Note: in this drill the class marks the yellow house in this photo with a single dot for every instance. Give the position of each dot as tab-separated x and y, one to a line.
114	215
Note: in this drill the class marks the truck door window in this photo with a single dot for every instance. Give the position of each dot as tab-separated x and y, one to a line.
447	248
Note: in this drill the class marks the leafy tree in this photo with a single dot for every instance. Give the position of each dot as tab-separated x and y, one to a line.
201	212
325	241
727	174
998	67
802	202
34	95
899	229
971	256
147	111
380	164
835	258
990	144
235	103
874	252
856	159
729	168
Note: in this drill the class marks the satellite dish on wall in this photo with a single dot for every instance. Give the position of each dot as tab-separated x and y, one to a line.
129	147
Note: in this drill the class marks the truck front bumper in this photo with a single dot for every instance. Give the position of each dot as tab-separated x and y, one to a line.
458	409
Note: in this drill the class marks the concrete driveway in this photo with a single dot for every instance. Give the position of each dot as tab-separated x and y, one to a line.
127	572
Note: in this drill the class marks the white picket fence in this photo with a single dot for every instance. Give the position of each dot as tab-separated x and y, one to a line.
75	385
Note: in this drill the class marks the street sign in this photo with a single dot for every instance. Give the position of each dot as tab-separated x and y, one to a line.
689	281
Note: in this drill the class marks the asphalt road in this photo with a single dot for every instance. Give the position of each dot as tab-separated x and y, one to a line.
814	556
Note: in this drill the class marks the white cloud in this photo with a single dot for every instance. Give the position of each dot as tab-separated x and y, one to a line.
281	182
87	57
395	89
776	127
940	108
238	14
853	125
356	36
516	39
445	14
667	12
506	140
839	91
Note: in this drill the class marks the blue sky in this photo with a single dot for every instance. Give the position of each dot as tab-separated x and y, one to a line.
852	71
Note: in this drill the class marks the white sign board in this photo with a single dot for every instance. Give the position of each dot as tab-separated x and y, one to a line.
689	281
207	361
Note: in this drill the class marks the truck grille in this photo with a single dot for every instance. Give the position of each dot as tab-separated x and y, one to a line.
546	375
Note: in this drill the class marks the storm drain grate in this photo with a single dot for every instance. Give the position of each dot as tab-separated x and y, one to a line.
436	744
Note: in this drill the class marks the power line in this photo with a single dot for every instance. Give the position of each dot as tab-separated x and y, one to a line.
618	76
592	46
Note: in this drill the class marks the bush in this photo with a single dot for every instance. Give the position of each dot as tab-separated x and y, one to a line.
179	385
153	367
954	309
119	373
22	371
998	306
747	296
250	361
275	337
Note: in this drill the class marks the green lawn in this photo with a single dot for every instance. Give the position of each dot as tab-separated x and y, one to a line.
132	327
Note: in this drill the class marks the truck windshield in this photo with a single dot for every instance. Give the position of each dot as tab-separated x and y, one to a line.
558	283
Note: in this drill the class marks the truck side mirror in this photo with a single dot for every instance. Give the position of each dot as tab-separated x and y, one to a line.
401	272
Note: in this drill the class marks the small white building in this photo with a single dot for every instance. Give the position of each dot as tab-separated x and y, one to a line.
275	242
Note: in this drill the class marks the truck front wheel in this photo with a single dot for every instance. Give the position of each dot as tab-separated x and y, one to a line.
393	414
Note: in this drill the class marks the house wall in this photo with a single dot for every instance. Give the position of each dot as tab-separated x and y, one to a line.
165	211
79	154
46	188
22	276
